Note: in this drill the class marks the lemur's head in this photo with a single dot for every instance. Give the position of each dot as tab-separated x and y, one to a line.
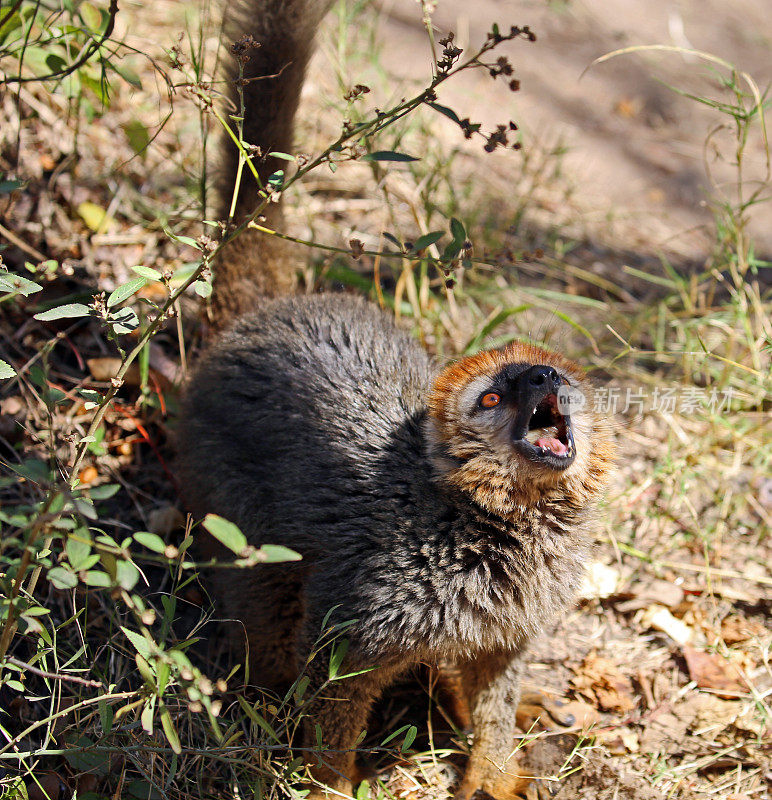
515	427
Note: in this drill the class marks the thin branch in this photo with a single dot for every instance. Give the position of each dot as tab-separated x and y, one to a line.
53	675
21	244
14	8
95	45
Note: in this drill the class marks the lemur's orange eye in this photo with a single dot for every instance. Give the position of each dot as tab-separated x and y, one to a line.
490	400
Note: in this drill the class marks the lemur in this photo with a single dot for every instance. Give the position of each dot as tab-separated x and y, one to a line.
445	514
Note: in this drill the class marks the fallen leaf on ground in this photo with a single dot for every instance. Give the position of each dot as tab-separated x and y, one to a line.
600	680
619	741
712	671
737	628
662	730
95	217
103	369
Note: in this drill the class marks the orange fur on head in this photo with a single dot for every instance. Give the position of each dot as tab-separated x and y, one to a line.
474	451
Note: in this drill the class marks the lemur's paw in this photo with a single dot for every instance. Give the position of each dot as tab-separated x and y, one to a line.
539	712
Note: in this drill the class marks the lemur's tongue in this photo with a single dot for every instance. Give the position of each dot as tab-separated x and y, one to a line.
555	445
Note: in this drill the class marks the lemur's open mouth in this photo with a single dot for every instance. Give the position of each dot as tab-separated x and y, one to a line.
541	433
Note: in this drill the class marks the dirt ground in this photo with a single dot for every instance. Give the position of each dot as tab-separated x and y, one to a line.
635	149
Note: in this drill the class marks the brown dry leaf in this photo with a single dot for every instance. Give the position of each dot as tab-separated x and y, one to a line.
48	786
737	628
666	593
619	741
712	671
586	716
662	731
599	679
103	369
12	406
155	290
706	712
655	590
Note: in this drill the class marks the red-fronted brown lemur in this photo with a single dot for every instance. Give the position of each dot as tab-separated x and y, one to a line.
447	511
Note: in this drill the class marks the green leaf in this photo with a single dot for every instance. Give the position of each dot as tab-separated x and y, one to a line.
18	284
412	731
143	790
124	320
127	575
282	156
6	370
55	62
394	734
147	272
337	654
257	718
476	341
33	469
78	549
184	240
128	74
124	291
169	730
226	533
137	135
62	578
81	755
95	577
141	644
150	540
276	181
6	187
202	288
277	553
448	112
457	231
91	16
146	717
106	715
422	242
105	491
90	395
67	311
388	155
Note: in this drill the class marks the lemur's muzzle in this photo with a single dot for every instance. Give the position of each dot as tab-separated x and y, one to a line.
541	433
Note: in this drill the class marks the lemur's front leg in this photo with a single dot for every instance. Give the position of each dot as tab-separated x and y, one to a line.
492	685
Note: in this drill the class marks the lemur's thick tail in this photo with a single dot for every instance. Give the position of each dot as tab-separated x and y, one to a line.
255	265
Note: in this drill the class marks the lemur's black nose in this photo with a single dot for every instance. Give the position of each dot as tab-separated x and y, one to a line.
540	377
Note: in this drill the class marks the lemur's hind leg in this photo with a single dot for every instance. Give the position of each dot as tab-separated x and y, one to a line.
492	685
535	711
